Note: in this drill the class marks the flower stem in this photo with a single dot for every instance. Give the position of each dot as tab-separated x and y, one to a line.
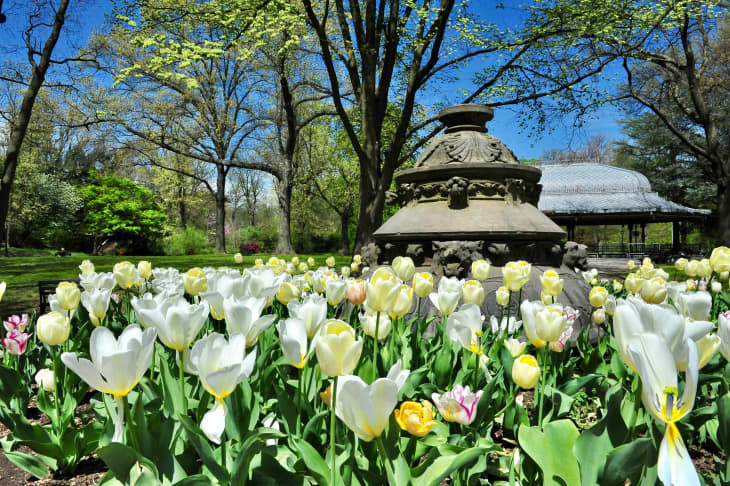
385	459
375	347
299	402
509	307
519	301
333	471
56	394
476	371
182	383
541	389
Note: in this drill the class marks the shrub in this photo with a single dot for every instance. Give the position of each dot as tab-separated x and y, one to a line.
189	241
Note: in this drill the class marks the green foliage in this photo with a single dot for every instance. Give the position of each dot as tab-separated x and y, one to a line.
115	207
188	241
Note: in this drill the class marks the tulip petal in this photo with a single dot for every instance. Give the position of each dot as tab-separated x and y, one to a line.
674	466
214	422
101	342
85	369
121	372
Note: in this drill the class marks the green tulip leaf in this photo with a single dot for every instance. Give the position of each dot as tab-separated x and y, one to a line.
626	462
723	418
594	444
314	462
10	383
202	447
119	459
28	463
448	463
197	480
552	450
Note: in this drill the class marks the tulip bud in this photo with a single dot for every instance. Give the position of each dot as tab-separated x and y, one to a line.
53	328
356	292
295	261
473	292
2	290
311	262
716	287
680	264
551	283
44	379
337	349
617	286
415	418
144	269
598	296
287	292
654	291
525	371
326	396
357	259
599	316
195	282
86	267
402	302
610	305
458	405
68	295
692	268
516	274
550	323
330	261
404	267
303	267
724	275
691	285
633	283
125	274
720	259
480	270
630	265
515	347
704	268
238	258
354	267
258	263
423	284
16	342
369	321
502	296
335	291
345	272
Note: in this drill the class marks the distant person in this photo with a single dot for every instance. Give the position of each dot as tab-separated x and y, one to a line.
63	253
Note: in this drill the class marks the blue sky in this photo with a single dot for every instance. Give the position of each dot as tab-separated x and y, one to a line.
87	15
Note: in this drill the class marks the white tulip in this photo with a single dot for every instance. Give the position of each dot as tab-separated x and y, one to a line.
368	321
221	365
723	330
335	291
404	267
116	364
446	299
511	325
312	311
96	302
243	316
293	338
177	322
465	327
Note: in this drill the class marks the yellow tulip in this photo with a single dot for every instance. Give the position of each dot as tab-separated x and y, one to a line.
144	269
516	274
287	292
525	371
125	274
238	258
330	261
53	328
480	270
311	262
423	284
551	282
402	302
86	267
473	292
704	268
338	351
692	268
381	289
599	316
598	296
195	281
633	283
404	267
68	295
502	296
681	264
415	418
654	291
357	259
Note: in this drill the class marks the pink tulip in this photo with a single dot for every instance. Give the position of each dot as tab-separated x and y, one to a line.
458	405
16	323
356	292
16	342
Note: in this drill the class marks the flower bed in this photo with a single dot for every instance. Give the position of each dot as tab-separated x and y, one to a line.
273	374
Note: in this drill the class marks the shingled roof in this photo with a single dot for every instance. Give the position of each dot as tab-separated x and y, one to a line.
595	190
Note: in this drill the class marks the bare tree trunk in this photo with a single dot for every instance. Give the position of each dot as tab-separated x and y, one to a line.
220	209
20	127
285	189
723	215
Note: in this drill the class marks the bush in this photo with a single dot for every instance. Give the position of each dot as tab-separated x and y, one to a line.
189	241
250	248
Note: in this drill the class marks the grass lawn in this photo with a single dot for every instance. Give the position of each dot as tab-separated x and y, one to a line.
23	273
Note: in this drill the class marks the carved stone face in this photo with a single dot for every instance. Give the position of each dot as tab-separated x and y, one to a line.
454	258
575	256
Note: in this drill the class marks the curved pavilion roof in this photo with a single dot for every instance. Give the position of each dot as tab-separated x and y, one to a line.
586	193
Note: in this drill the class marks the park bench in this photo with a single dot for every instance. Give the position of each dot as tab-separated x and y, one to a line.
47	288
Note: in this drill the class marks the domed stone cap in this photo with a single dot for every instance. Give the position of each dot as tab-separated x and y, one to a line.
465	140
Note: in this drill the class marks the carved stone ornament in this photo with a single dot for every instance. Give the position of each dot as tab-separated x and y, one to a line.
575	256
466	147
454	258
458	194
370	254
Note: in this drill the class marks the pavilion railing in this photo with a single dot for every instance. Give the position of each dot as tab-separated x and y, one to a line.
658	251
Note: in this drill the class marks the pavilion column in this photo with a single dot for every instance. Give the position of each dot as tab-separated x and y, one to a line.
676	243
643	233
631	234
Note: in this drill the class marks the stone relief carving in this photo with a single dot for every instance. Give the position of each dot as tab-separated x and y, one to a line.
575	256
458	195
454	258
415	251
466	147
370	255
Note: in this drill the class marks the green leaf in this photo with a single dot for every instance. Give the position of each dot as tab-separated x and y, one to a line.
626	462
119	459
10	383
28	463
200	444
723	417
573	386
448	463
197	480
171	399
552	450
314	462
594	444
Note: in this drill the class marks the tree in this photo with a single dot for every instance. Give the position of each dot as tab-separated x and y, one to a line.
247	188
39	62
117	208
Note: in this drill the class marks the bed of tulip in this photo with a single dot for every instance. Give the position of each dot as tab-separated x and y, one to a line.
290	373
